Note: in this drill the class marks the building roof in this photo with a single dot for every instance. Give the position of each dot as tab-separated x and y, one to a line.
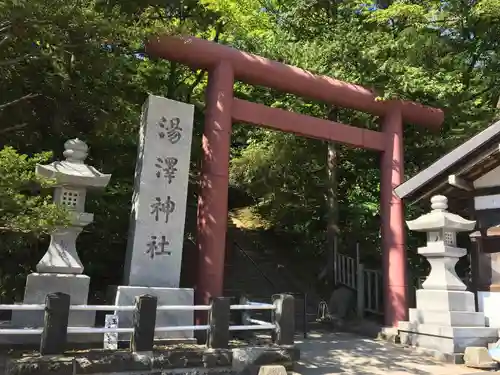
464	164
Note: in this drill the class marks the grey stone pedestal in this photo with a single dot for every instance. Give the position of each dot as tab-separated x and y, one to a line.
38	285
448	325
125	296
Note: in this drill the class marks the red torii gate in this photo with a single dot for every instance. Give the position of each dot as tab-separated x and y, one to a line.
225	65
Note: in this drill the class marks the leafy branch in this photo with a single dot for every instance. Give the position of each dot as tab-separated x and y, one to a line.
19	210
15	101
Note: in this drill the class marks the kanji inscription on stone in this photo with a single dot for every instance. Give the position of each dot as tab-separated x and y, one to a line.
166	168
157	221
170	128
157	246
160	208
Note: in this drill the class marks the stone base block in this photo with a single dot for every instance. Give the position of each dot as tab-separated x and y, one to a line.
125	296
447	318
445	339
38	285
164	361
445	300
480	358
272	370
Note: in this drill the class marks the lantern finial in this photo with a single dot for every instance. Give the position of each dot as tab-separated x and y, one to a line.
75	150
439	203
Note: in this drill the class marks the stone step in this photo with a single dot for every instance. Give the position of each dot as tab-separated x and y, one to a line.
448	318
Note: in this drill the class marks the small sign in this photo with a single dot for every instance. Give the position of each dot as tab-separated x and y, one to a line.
111	338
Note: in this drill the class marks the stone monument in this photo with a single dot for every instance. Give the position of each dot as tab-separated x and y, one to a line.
156	232
60	269
445	319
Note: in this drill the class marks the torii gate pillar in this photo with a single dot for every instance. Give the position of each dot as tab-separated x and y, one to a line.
214	181
394	263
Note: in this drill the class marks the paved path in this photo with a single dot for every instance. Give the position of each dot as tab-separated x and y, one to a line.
343	353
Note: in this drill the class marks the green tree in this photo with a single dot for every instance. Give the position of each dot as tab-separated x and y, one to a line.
20	210
439	54
71	69
26	216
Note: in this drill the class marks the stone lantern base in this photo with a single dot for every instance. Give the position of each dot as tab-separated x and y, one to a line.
38	285
446	322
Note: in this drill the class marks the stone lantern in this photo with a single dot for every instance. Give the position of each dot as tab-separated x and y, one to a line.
441	250
73	178
445	319
60	269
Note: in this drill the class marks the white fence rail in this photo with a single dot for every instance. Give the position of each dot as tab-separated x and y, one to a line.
57	309
254	324
373	291
368	284
346	270
35	307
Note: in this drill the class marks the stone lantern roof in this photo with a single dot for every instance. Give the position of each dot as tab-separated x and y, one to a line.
73	171
440	219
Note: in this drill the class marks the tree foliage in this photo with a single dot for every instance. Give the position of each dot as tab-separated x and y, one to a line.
77	69
20	210
433	52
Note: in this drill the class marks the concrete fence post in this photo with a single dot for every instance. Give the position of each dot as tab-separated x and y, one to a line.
55	324
144	323
284	319
245	315
218	337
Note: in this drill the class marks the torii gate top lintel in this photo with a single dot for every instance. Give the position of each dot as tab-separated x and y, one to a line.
256	70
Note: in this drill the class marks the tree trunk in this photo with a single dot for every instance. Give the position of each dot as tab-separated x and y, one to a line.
332	205
383	4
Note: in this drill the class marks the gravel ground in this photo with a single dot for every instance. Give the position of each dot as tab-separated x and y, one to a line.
344	353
